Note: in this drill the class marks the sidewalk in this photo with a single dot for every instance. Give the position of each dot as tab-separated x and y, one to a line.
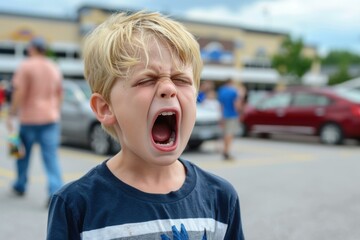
25	217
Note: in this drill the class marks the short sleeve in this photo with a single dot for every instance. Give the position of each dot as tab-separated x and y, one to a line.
235	230
61	221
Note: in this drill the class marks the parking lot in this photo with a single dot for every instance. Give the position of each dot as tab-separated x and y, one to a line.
290	188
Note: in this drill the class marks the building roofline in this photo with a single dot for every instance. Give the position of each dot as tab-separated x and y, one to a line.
104	8
11	13
233	26
75	18
187	20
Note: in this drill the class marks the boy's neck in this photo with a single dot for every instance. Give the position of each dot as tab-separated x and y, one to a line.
149	179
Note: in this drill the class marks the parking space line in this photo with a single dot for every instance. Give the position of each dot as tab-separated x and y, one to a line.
6	173
82	155
242	160
255	162
36	179
2	183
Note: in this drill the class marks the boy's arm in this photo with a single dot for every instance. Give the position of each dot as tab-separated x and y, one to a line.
61	221
235	230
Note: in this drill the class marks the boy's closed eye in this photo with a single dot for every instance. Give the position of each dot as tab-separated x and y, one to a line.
181	80
177	80
145	82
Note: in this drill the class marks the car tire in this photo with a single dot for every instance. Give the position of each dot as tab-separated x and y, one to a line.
264	135
115	146
194	145
99	141
331	134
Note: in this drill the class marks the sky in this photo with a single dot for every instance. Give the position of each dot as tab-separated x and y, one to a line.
324	24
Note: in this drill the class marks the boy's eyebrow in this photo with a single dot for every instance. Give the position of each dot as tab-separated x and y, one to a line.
153	72
152	67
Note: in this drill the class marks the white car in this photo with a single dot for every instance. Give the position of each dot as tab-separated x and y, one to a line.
350	84
79	125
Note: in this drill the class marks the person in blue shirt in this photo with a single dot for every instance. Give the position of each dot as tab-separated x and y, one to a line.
144	71
230	100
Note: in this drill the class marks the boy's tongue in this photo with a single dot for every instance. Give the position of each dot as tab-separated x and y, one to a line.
161	132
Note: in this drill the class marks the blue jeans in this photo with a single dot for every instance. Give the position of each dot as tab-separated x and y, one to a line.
47	136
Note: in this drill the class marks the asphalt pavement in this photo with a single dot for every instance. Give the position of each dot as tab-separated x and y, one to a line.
290	188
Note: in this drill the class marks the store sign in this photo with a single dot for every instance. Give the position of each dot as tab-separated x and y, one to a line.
22	34
217	52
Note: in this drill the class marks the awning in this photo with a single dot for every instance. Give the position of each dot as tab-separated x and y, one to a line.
220	73
246	75
67	66
9	64
71	67
260	75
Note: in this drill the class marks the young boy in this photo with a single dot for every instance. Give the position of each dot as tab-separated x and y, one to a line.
144	71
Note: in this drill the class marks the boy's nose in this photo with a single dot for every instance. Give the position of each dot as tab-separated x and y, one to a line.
167	89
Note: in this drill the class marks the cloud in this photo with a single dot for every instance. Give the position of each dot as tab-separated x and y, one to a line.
323	23
314	20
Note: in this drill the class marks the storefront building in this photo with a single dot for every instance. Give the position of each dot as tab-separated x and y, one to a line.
228	51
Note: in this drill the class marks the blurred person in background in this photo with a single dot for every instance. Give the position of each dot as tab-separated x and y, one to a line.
8	92
35	104
205	87
2	97
211	102
243	94
231	101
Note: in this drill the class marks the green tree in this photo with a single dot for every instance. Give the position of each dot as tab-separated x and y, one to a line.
340	57
290	61
341	75
341	60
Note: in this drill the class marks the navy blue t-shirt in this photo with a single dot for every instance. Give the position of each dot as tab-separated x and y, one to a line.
100	206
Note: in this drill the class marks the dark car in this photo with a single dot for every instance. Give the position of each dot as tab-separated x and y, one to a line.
333	114
79	125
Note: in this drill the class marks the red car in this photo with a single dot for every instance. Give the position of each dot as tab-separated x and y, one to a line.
333	114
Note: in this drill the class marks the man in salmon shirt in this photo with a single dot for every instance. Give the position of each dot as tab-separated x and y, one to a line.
36	102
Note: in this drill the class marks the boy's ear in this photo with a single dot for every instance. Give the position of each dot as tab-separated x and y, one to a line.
102	110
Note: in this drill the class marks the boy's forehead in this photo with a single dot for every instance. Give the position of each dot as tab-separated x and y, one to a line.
158	50
150	51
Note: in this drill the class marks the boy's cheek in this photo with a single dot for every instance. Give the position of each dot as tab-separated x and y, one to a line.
191	94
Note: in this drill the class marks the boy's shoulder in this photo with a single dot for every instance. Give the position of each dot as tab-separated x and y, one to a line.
84	184
209	181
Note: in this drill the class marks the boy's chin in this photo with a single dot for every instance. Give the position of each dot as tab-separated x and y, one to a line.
167	158
165	161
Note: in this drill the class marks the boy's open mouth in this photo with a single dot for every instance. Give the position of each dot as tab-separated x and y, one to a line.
164	129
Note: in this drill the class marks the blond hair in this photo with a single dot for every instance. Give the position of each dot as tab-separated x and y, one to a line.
116	45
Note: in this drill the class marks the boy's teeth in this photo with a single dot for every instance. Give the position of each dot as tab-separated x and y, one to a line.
167	113
170	142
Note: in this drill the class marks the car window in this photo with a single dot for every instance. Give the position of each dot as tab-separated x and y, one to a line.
69	95
309	99
85	88
254	97
349	94
279	100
